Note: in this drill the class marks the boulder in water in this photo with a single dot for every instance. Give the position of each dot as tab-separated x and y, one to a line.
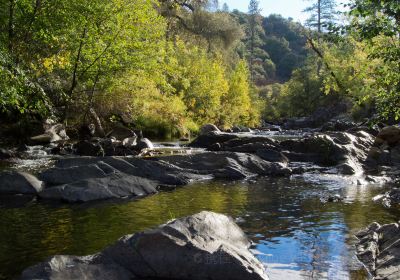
207	128
202	246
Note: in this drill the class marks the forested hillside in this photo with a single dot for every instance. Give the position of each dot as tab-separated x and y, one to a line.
171	65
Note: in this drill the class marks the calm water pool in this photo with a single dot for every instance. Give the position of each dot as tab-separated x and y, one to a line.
295	235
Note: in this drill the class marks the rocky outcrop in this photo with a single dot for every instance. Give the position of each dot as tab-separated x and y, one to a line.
203	246
347	151
91	178
386	149
228	165
379	250
12	182
344	150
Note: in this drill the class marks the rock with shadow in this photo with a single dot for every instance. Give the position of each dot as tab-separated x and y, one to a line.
378	249
204	246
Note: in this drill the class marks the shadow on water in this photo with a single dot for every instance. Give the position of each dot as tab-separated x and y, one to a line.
295	235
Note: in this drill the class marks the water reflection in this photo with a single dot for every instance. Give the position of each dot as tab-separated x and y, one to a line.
294	233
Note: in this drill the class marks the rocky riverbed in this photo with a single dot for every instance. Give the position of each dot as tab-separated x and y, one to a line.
353	157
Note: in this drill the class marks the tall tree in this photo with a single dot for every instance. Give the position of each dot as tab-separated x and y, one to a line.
322	14
225	8
254	13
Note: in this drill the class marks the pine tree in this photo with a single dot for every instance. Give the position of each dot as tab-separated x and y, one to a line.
225	8
322	13
254	12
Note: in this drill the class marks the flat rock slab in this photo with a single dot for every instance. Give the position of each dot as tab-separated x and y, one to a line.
113	186
204	246
379	250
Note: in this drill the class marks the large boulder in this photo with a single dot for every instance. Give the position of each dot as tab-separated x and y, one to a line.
112	186
207	128
379	250
88	148
210	139
12	182
389	134
203	246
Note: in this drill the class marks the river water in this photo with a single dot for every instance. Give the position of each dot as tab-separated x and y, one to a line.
295	234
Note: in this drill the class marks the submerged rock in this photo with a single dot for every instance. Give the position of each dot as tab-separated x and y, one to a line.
12	182
199	247
379	250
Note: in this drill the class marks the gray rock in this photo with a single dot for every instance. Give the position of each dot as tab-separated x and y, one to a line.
58	176
225	164
12	182
96	267
112	186
379	250
272	156
207	128
203	246
144	143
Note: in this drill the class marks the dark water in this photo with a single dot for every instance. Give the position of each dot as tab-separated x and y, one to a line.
295	235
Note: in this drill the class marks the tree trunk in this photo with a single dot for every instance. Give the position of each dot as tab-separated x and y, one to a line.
11	26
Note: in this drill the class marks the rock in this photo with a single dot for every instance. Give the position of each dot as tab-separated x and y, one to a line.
156	170
379	250
71	267
53	133
113	186
348	151
144	143
129	142
203	246
211	138
228	165
272	156
12	182
58	176
87	148
390	134
207	128
389	198
121	132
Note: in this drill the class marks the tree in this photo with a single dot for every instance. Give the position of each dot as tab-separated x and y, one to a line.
322	14
254	13
225	8
378	24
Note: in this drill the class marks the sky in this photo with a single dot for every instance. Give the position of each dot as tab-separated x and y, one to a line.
286	8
